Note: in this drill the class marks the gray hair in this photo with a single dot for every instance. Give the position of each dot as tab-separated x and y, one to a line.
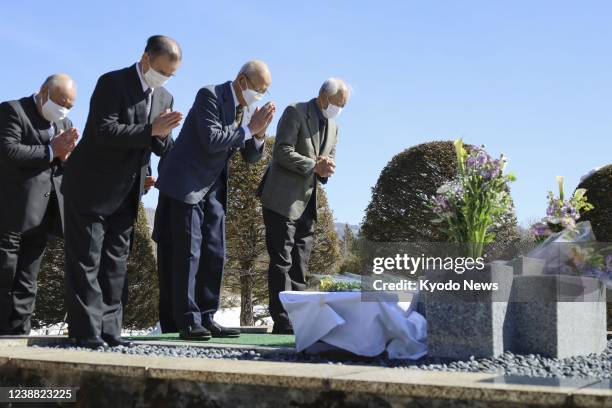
253	67
332	86
161	45
58	80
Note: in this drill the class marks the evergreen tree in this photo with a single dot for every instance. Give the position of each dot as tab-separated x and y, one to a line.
50	298
246	235
326	252
398	211
140	312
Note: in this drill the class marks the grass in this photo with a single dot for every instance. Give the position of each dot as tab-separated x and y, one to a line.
253	339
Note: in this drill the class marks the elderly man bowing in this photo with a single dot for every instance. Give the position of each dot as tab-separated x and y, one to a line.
192	202
36	137
304	155
129	118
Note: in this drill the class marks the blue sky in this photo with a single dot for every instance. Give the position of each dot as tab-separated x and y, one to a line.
531	79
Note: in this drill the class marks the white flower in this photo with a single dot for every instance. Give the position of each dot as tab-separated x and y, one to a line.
444	188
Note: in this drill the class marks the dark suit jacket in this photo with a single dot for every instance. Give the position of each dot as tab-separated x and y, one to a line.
203	149
27	175
116	147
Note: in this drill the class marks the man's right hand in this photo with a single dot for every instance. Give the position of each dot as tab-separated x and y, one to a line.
64	143
325	166
261	118
165	122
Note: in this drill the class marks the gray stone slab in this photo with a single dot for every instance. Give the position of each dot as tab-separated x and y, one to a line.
557	316
465	324
525	266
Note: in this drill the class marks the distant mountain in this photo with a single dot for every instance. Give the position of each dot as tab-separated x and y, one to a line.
339	226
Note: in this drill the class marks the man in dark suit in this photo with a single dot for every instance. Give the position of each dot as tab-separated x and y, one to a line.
192	202
129	117
304	155
36	137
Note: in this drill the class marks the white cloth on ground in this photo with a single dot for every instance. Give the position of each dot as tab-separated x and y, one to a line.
366	328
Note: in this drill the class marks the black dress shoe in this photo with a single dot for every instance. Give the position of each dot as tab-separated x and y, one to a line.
195	333
91	342
219	331
116	341
282	328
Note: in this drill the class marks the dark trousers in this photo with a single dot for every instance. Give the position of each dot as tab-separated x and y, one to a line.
289	244
97	249
164	277
21	254
162	235
198	256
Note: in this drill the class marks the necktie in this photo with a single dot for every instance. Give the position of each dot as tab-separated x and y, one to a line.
239	115
323	132
148	93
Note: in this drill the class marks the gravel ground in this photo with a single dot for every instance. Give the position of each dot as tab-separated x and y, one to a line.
593	366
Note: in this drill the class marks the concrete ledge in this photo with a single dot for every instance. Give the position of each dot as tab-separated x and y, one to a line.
11	341
119	378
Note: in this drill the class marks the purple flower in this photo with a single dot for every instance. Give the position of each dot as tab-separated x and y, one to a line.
481	158
441	205
540	229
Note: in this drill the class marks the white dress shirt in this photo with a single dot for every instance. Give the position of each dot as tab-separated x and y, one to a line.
246	118
144	84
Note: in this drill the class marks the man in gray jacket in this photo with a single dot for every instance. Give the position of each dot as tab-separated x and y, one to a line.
303	155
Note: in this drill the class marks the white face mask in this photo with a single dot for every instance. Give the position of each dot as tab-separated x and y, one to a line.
331	111
250	96
154	79
52	111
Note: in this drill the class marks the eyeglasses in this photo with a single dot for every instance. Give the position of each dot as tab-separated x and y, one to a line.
263	92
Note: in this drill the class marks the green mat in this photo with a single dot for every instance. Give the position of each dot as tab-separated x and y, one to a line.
253	339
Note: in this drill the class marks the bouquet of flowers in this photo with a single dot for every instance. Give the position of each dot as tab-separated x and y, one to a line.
567	245
561	214
471	206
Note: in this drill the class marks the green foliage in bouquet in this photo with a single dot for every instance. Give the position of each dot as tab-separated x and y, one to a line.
469	208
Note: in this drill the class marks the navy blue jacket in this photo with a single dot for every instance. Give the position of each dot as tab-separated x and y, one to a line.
204	147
